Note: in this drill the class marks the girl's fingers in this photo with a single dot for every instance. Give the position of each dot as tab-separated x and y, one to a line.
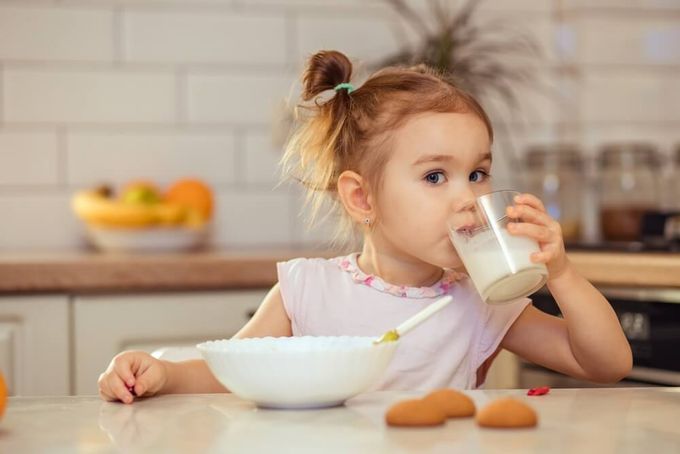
152	378
530	214
123	367
146	383
119	390
105	391
531	200
540	257
112	388
539	233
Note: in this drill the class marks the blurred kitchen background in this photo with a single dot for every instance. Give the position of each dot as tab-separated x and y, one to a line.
584	96
116	90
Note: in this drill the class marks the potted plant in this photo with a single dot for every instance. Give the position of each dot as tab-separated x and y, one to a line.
487	58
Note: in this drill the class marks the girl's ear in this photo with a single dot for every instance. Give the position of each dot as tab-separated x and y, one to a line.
355	197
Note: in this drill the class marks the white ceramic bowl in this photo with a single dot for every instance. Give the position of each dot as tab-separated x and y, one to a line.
298	372
150	239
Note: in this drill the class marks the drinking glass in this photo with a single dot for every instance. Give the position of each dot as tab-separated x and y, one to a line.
498	262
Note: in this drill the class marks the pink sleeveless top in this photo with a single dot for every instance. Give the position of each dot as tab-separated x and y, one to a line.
453	348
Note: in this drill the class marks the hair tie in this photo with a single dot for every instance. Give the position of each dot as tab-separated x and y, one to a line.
345	85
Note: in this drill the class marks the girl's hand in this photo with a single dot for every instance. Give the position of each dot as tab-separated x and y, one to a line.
535	223
131	374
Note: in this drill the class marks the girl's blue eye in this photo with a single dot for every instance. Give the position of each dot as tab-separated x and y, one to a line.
478	176
435	177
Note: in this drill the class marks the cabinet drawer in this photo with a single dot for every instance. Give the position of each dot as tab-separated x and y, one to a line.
34	348
107	325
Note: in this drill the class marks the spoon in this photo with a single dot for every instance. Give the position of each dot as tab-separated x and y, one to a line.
415	320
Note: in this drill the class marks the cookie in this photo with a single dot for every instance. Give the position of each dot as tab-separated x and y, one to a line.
507	413
415	413
454	403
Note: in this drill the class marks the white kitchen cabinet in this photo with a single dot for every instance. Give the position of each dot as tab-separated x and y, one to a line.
504	372
34	344
105	325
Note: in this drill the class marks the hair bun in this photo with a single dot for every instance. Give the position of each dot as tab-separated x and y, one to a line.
421	68
324	71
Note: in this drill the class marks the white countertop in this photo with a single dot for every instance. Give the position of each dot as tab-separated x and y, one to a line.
621	420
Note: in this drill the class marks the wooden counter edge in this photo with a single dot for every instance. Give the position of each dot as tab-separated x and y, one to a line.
98	273
213	271
628	269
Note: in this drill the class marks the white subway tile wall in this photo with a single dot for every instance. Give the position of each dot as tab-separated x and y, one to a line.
261	160
64	34
38	219
74	96
29	158
637	96
167	156
182	37
254	218
363	36
635	5
236	98
96	91
628	40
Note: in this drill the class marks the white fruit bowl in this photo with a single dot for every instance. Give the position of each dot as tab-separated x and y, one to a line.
298	372
150	239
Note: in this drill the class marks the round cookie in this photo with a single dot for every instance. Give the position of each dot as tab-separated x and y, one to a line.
414	413
454	403
507	413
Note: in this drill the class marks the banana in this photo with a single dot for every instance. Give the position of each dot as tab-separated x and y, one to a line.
169	213
95	208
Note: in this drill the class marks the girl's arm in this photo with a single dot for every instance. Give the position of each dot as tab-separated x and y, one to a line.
588	342
195	377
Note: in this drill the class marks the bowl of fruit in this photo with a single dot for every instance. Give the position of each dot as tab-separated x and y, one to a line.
143	217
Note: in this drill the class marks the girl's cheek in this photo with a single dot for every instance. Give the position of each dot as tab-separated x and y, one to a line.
486	187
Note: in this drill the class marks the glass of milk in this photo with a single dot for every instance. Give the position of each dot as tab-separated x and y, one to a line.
498	262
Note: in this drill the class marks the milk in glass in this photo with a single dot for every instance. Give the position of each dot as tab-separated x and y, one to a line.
499	263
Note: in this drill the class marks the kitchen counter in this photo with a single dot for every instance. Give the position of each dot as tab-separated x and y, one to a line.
92	272
622	420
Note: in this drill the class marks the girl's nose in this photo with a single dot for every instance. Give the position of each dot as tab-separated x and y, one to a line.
464	214
464	200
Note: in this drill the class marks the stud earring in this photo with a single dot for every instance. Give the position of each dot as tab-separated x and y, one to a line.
367	221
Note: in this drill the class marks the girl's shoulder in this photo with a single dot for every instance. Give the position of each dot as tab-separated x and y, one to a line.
301	264
303	269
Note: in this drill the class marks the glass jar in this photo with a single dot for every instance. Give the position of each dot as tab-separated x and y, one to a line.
629	176
673	195
554	173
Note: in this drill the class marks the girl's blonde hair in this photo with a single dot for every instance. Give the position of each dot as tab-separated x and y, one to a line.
350	130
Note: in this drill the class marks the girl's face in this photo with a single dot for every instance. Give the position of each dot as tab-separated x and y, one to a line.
438	164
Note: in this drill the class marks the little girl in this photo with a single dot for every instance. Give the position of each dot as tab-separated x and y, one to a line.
396	156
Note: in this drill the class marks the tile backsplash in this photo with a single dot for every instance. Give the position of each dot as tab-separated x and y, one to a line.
115	90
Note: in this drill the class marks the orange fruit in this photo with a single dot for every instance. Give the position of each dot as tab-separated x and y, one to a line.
192	193
3	395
